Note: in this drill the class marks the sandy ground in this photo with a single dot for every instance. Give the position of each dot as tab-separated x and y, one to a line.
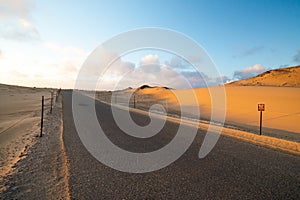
280	119
31	167
20	114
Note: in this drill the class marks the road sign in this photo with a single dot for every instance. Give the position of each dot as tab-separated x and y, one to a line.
261	107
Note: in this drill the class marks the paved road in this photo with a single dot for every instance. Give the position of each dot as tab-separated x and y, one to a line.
233	170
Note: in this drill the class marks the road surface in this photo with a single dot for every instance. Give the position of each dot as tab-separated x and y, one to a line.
234	169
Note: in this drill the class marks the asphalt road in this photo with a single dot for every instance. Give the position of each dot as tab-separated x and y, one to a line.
234	169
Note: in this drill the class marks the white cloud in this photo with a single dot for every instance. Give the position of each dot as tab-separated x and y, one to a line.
254	68
149	59
40	64
119	68
249	72
153	75
15	16
18	74
24	23
68	59
21	8
70	67
53	63
176	62
123	74
152	72
194	59
64	50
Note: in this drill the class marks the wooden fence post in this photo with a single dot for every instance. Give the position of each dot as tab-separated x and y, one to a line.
42	117
51	102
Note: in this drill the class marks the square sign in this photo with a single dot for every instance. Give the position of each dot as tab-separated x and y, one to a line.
261	107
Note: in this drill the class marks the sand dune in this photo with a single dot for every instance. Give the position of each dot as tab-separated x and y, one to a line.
282	105
20	112
281	118
288	77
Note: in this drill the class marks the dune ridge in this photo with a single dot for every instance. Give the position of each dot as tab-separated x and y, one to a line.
287	77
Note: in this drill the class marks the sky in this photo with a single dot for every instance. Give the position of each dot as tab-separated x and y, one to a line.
45	43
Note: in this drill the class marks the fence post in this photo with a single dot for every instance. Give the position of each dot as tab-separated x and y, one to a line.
42	117
51	102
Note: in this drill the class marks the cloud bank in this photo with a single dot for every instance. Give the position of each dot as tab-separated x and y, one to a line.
172	73
249	72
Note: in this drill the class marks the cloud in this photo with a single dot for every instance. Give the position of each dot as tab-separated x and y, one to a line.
69	58
18	74
199	80
20	8
70	67
179	63
176	62
150	71
149	59
249	51
222	80
19	30
120	67
297	56
157	74
194	59
249	72
15	18
1	54
169	74
65	50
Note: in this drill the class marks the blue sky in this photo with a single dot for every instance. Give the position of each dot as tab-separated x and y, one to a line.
43	43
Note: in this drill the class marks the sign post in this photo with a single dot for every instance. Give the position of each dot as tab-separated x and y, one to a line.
261	108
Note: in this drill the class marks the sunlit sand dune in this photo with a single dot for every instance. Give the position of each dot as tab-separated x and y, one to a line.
280	119
282	105
288	77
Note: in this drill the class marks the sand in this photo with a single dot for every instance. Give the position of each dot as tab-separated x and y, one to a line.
42	172
280	119
20	114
